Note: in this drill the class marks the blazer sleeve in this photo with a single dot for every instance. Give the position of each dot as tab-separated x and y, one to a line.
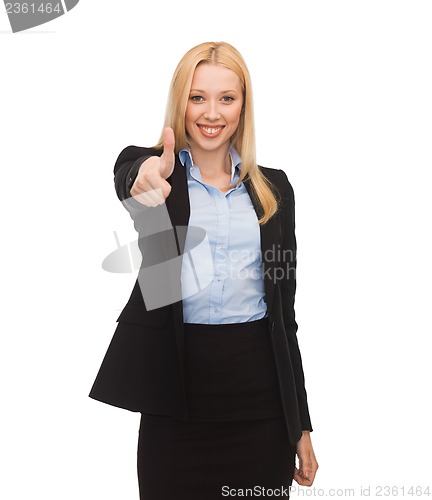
147	220
126	170
288	289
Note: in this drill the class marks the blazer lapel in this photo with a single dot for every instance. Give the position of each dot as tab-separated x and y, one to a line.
270	243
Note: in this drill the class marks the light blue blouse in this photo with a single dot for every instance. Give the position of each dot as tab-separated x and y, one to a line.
235	290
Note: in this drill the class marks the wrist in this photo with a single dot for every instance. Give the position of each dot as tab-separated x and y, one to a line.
305	434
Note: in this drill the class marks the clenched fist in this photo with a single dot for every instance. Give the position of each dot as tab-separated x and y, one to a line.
150	187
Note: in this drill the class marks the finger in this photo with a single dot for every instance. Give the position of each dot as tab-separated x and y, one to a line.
304	474
150	198
304	478
300	479
156	195
160	190
168	140
167	158
144	199
153	185
303	482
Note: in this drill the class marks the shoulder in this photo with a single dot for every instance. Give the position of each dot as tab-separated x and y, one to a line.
280	180
133	153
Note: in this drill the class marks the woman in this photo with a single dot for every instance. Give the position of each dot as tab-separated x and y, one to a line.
207	350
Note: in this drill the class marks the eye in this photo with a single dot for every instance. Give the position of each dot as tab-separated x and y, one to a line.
227	98
196	98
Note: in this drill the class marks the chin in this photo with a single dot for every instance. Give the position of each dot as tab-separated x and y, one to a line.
209	144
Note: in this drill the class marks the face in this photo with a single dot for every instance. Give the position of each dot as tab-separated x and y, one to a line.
214	108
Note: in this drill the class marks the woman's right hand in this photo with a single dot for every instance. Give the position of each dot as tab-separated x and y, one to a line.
150	187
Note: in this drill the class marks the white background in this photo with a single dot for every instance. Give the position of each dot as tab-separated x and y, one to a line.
343	105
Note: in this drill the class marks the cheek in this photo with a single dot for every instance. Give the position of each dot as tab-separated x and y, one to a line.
235	115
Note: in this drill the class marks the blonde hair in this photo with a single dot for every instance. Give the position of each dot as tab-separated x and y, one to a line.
222	54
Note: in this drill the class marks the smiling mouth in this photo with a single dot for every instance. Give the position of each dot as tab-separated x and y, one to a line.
208	131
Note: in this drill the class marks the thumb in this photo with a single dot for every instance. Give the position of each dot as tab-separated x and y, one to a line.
167	158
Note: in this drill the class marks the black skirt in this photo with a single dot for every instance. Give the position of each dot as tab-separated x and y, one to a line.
235	437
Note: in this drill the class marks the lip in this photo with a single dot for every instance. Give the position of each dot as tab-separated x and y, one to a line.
210	131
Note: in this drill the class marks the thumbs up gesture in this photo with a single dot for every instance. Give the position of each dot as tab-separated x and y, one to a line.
150	187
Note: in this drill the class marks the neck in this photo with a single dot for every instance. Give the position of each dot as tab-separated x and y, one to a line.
212	163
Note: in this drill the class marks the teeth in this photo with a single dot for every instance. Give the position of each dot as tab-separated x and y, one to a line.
211	130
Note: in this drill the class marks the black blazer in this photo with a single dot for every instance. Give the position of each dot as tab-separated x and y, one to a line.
143	368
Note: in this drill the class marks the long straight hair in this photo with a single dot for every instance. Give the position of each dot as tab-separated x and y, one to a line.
222	54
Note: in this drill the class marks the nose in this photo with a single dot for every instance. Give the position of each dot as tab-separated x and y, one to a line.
212	113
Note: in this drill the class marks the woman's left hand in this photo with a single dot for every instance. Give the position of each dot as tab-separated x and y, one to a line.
304	475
